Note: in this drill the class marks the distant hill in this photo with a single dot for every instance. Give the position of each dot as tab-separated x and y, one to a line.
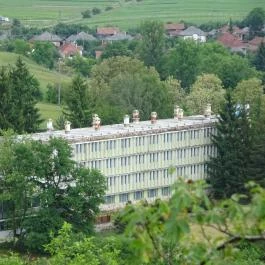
44	75
126	13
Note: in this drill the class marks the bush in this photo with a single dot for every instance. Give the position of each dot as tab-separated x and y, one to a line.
86	13
108	8
96	11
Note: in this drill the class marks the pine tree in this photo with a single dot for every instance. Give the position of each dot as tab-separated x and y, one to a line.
19	92
77	103
228	171
259	60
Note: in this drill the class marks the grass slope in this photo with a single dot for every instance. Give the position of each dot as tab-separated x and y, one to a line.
126	14
44	75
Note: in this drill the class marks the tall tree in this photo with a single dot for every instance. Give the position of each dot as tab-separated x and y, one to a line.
32	171
227	170
152	45
259	60
77	103
25	93
255	19
19	92
207	89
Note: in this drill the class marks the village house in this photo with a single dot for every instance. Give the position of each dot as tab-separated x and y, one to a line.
193	33
81	36
232	42
254	44
102	33
118	37
68	50
47	36
173	30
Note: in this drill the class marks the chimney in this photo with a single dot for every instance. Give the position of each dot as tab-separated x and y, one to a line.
135	115
176	112
126	120
208	111
96	122
49	125
67	127
153	117
181	114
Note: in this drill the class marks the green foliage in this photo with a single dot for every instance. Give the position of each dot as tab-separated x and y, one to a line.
65	192
52	94
77	103
117	48
86	13
121	84
191	229
255	19
45	53
152	45
96	11
228	169
65	30
19	91
259	60
81	65
207	89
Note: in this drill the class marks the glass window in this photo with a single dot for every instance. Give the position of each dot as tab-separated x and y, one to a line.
166	191
110	199
152	193
138	195
124	197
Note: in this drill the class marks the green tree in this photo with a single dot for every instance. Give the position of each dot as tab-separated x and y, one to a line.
166	233
255	19
45	53
259	60
153	42
227	169
77	104
44	175
25	93
117	48
182	63
207	89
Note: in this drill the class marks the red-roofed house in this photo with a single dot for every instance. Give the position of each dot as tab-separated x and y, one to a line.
173	29
254	44
107	31
70	50
232	42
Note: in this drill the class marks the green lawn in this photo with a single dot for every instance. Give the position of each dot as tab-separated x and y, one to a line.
126	14
44	75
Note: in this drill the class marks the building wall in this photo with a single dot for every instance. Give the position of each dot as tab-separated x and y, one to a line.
145	166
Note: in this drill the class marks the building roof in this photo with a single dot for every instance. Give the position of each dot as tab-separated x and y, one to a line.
83	36
172	26
190	31
230	41
257	41
47	36
134	129
119	36
70	49
108	31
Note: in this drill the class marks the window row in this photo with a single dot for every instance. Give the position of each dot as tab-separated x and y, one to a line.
143	140
137	195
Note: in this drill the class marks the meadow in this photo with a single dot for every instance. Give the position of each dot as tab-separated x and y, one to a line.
126	14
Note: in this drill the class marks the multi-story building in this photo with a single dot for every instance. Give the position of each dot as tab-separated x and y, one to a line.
142	159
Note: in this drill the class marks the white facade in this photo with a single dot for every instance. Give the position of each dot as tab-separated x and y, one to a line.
142	160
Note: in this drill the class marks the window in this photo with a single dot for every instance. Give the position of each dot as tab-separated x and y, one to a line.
110	199
152	193
124	197
166	191
138	195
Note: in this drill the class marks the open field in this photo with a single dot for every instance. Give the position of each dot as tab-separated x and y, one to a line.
44	75
126	14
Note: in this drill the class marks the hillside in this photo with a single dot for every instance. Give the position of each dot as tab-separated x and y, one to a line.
44	75
126	13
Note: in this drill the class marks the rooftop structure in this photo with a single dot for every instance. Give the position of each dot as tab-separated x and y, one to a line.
81	36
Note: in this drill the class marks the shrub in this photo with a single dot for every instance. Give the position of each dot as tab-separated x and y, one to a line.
86	13
96	11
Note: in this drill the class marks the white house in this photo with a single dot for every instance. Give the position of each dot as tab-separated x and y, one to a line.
193	33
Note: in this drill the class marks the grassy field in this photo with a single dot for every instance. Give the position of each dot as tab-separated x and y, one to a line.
44	75
126	14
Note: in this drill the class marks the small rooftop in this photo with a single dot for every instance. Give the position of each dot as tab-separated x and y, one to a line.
47	36
190	31
134	129
83	36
